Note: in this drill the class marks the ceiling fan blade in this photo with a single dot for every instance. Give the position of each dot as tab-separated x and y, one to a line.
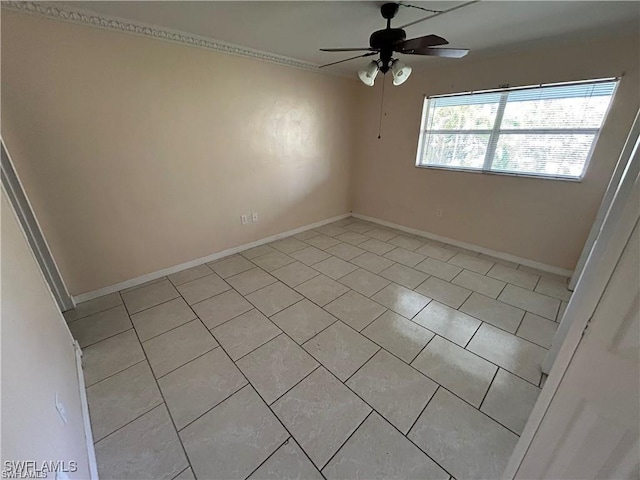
441	52
420	43
345	49
347	59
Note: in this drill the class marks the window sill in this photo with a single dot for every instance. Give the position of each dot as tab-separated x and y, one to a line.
502	174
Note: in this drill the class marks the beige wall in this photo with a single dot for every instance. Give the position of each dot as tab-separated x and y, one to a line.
139	154
542	220
38	361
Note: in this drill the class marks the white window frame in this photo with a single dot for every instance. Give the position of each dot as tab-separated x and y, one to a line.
494	133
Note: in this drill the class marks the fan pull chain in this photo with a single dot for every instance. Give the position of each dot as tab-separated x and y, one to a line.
381	108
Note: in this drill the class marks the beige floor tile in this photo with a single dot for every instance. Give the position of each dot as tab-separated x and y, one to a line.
401	300
323	241
479	283
345	251
216	310
295	273
110	356
256	252
456	369
310	255
303	320
176	347
144	284
364	282
121	398
372	262
321	290
405	257
515	277
331	230
448	322
200	385
99	326
149	296
537	330
276	366
405	276
90	307
148	447
230	266
376	246
494	312
542	273
273	261
355	310
288	462
473	263
307	234
241	428
554	288
443	292
378	451
162	318
321	413
250	281
461	439
360	226
380	234
245	333
344	221
533	302
435	251
398	335
273	298
393	388
512	353
510	401
288	245
341	349
335	267
203	288
407	243
497	260
352	238
439	269
189	274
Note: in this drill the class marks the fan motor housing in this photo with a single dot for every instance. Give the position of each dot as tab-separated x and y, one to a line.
387	38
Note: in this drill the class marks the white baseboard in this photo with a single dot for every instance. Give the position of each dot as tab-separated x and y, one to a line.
198	261
469	246
88	433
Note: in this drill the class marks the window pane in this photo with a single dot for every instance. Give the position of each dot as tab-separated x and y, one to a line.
467	112
544	154
566	106
455	150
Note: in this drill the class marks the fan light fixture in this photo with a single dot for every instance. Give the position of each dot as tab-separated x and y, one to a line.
368	75
400	72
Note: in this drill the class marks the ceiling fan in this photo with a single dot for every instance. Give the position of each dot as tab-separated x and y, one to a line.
394	40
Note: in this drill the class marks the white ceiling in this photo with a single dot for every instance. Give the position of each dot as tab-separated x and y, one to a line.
298	29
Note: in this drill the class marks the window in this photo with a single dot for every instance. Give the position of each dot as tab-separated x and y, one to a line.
547	130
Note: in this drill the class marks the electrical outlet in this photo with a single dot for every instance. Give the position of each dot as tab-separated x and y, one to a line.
254	217
439	212
244	219
61	410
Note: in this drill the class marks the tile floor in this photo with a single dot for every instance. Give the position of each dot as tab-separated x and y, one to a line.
347	351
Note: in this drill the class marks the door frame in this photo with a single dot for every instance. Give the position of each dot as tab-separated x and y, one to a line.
29	222
617	227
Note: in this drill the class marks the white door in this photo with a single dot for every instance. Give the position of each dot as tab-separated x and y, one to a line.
591	429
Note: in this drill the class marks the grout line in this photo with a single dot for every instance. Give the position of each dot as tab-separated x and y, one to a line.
268	457
261	345
424	408
487	392
161	404
92	314
167	331
361	366
347	440
106	338
217	404
299	381
473	335
153	306
116	373
181	472
423	348
158	377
